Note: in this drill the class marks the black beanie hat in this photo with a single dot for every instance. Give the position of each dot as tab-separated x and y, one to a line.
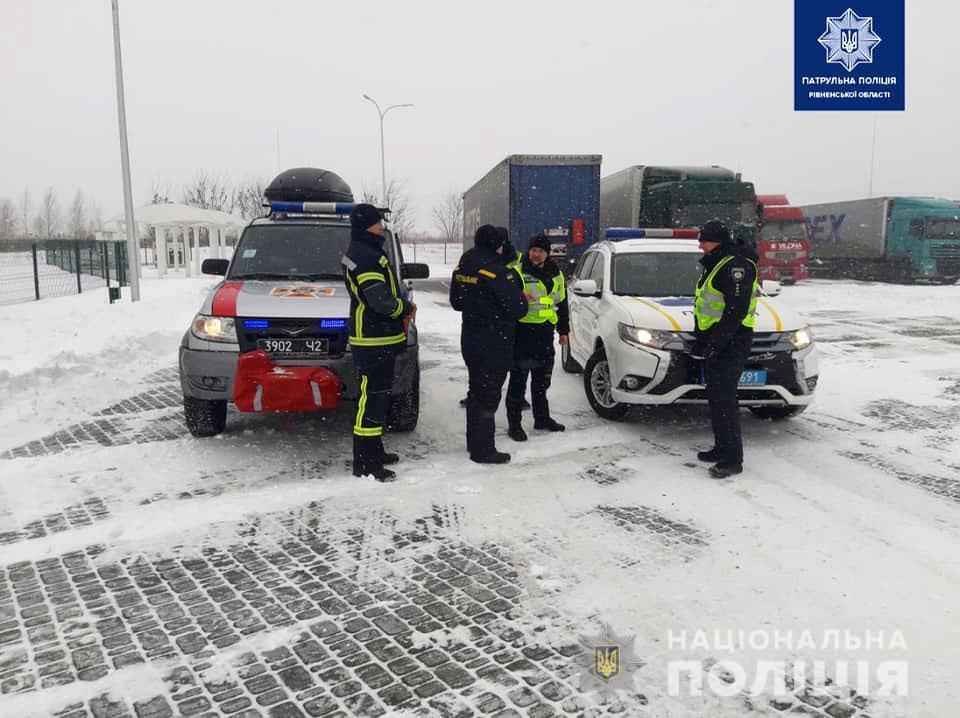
488	237
540	241
364	216
715	231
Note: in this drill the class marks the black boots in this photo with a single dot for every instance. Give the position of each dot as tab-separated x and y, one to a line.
497	457
725	471
711	456
548	425
517	433
383	475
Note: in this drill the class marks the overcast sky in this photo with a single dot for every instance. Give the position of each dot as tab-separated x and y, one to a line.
210	83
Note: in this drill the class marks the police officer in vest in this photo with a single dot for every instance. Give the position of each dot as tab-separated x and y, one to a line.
490	298
725	311
377	312
546	293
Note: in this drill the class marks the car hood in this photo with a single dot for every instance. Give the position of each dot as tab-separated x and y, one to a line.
278	299
676	314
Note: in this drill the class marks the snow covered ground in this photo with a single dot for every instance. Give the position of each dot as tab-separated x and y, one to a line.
148	573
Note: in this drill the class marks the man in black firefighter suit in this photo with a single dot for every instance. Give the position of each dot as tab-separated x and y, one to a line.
377	334
725	313
545	290
490	298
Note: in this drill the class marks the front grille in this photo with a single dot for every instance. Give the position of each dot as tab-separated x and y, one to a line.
767	353
946	251
290	329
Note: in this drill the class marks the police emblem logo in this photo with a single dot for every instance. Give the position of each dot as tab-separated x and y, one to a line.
607	663
849	40
737	273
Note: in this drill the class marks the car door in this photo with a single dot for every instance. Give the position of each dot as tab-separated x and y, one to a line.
578	341
591	306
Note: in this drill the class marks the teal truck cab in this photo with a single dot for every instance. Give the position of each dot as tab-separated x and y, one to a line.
903	239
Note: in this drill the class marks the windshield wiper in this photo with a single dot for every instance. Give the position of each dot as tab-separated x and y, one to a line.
321	275
294	277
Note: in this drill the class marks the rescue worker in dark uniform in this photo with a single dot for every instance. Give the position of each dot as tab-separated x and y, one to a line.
491	301
545	290
511	259
725	311
377	313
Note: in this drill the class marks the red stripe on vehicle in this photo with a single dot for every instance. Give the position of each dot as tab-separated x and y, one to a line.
225	300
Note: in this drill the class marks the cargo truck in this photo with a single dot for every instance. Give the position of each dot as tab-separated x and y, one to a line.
672	197
783	246
558	195
900	239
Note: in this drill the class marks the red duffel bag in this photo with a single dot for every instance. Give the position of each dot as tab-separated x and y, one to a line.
261	385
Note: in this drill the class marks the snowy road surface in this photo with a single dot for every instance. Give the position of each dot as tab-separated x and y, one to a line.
146	573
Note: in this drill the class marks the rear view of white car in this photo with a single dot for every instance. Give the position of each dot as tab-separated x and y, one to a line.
632	330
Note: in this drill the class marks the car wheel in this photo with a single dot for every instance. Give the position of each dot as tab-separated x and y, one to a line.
567	361
205	417
776	413
597	385
405	408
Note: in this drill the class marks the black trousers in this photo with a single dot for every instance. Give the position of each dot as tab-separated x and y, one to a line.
722	375
375	367
541	374
483	398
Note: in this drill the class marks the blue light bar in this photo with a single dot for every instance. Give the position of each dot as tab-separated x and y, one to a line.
255	324
312	207
333	323
616	233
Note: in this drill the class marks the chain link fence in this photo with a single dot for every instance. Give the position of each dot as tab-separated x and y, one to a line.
31	270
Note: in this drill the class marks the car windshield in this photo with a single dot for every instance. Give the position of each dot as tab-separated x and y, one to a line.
292	251
656	274
943	228
783	230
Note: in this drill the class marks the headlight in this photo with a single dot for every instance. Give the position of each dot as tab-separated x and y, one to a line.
214	329
801	338
648	337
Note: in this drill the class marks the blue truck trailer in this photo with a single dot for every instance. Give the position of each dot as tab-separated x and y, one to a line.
558	195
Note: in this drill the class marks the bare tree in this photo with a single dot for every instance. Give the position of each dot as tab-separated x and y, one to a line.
397	201
8	219
50	213
208	191
448	217
25	210
248	198
77	219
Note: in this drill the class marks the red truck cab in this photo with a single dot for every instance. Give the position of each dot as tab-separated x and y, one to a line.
784	242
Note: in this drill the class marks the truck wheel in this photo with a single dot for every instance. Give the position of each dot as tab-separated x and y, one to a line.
597	385
567	361
776	413
205	417
405	408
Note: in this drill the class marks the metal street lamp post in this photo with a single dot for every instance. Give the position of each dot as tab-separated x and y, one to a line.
383	165
133	255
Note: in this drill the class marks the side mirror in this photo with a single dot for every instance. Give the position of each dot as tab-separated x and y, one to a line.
585	288
217	267
412	270
770	288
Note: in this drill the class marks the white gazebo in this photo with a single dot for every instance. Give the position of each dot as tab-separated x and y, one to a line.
169	221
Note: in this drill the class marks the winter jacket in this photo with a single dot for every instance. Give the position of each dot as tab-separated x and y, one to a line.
490	299
376	307
735	281
535	341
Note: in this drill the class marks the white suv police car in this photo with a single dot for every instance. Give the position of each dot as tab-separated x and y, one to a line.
283	296
632	329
